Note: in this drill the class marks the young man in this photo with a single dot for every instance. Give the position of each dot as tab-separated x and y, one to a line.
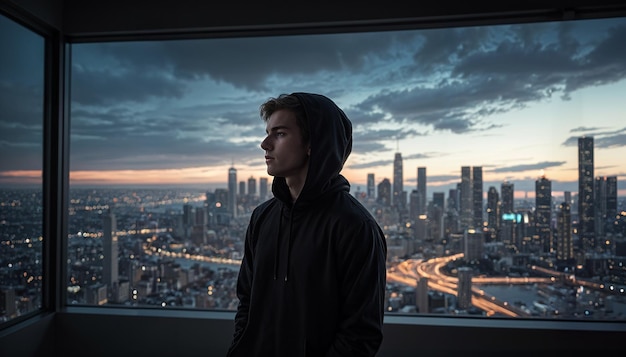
313	275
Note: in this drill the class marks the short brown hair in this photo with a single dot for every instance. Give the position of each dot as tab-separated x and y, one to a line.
288	102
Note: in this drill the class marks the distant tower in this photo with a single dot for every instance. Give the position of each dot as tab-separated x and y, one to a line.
493	212
439	200
507	199
414	212
611	196
464	293
466	197
384	193
263	187
586	209
564	244
371	186
477	197
507	192
232	191
110	265
251	186
436	215
543	213
473	244
397	181
421	189
421	295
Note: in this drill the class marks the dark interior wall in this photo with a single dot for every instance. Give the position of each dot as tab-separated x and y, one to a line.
49	12
85	18
95	335
35	337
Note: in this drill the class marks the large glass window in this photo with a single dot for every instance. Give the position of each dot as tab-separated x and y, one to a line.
21	160
492	156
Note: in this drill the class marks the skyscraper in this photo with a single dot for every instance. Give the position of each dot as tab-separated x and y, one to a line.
371	186
507	199
421	189
477	197
397	181
493	213
110	265
464	292
599	201
564	244
421	295
543	213
384	192
436	215
232	191
586	208
507	193
263	187
611	196
466	197
251	186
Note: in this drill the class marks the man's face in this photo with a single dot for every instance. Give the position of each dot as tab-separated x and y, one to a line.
285	153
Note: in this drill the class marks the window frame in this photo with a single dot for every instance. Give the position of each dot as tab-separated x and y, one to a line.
55	175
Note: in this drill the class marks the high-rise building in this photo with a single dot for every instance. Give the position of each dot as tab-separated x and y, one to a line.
384	192
453	199
564	242
543	213
421	189
110	265
371	186
464	293
586	209
507	193
605	204
507	210
473	244
414	206
611	196
436	213
493	212
251	186
477	197
599	202
421	295
466	197
263	188
232	191
567	197
242	188
7	302
439	200
398	180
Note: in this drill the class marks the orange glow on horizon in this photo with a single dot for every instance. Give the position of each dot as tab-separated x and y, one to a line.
209	176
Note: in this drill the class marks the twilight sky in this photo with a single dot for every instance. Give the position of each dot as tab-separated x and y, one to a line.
510	98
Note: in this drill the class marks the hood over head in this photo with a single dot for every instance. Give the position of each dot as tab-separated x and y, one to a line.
331	144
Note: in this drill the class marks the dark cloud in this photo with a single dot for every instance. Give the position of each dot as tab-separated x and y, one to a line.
583	129
601	139
528	167
486	71
144	105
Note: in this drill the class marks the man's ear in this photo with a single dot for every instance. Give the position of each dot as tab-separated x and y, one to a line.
308	152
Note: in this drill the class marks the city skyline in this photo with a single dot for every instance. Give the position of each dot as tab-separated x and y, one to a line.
512	99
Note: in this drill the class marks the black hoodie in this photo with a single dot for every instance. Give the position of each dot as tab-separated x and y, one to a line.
312	279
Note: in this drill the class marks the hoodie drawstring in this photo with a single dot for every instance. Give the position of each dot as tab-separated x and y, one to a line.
289	245
280	227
